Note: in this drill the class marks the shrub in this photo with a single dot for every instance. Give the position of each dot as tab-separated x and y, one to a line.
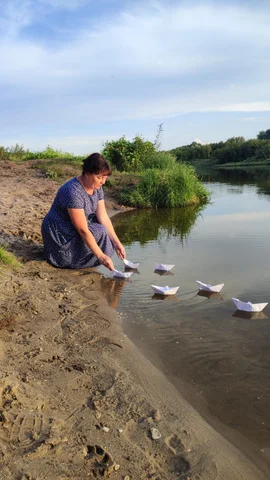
130	156
122	155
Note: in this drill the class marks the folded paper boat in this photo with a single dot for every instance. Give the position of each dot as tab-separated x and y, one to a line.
248	306
210	288
131	264
164	290
163	266
118	274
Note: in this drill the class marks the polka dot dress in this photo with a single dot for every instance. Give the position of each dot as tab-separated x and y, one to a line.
63	246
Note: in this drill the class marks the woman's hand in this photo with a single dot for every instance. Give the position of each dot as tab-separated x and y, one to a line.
120	249
106	261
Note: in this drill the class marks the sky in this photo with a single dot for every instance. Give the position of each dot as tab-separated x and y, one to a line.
77	73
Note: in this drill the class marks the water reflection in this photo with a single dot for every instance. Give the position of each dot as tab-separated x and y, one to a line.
240	176
171	298
249	315
133	270
163	273
112	289
215	295
146	225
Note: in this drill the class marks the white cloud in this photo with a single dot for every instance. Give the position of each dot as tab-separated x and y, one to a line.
197	140
246	107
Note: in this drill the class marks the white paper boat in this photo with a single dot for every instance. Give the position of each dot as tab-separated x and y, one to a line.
118	274
163	266
210	288
131	264
248	306
164	290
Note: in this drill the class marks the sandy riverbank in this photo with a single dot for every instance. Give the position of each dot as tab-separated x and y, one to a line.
78	400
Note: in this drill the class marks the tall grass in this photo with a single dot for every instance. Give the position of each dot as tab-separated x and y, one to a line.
160	160
172	187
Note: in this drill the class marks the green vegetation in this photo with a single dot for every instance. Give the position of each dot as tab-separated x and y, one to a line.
177	186
143	176
137	155
8	259
235	150
158	180
17	153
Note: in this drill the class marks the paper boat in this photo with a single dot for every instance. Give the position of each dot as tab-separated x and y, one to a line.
118	274
163	266
132	265
248	306
210	288
164	290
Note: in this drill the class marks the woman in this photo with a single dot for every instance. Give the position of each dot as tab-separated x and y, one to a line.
77	231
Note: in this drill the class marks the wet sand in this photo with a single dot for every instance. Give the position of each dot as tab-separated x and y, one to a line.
78	399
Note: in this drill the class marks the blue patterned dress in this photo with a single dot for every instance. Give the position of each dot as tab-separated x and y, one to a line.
63	245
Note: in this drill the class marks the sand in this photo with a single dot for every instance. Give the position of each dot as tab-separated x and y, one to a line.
77	399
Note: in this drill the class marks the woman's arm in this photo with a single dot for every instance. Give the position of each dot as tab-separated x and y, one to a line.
79	221
104	219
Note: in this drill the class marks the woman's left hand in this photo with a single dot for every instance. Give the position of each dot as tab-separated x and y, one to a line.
120	249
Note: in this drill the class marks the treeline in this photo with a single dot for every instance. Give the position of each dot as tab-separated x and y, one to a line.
233	150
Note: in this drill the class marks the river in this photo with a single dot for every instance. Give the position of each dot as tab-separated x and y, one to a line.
218	357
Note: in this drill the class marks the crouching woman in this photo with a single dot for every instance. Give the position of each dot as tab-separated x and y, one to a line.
77	231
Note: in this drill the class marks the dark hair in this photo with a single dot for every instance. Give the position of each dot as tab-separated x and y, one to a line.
96	163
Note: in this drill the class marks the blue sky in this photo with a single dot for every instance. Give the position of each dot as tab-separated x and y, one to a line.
75	73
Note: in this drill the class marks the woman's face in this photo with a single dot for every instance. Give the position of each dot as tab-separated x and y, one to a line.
96	180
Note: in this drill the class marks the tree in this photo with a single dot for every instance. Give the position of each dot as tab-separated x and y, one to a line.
264	135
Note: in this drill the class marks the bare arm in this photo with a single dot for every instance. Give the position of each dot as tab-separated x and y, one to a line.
79	221
104	219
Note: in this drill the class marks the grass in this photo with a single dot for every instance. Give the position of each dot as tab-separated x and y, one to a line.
58	168
7	259
175	187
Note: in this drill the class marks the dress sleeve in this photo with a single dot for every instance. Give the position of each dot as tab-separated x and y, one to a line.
100	194
72	197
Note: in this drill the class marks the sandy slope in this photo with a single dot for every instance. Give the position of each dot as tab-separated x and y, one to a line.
68	371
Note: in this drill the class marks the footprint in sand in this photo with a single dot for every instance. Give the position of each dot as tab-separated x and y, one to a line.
101	461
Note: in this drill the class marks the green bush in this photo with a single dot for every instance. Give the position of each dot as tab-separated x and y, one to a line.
174	187
122	155
129	156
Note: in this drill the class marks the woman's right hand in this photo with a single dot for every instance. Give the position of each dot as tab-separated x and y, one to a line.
106	261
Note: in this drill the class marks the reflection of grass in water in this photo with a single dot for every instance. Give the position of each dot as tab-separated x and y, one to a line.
146	225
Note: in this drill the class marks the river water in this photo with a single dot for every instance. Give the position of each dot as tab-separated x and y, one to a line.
218	357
